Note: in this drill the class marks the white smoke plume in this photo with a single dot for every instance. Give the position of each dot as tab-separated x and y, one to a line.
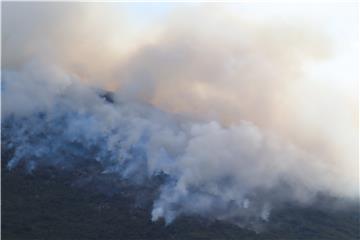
222	106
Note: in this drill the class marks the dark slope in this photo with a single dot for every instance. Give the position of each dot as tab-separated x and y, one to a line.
81	203
49	204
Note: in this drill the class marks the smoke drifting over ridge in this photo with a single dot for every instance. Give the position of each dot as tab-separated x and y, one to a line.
220	105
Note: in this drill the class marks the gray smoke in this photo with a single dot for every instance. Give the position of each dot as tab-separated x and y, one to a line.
210	116
216	171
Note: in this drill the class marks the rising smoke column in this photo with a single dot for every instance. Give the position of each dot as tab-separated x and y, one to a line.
214	112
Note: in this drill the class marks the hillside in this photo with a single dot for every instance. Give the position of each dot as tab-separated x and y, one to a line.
50	204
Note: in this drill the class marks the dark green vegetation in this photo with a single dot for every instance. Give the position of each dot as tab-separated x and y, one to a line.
47	205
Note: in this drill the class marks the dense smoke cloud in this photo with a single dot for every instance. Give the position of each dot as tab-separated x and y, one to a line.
220	105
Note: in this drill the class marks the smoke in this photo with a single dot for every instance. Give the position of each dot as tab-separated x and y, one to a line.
220	105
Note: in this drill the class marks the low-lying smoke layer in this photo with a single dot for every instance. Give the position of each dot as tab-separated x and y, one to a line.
228	116
227	173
